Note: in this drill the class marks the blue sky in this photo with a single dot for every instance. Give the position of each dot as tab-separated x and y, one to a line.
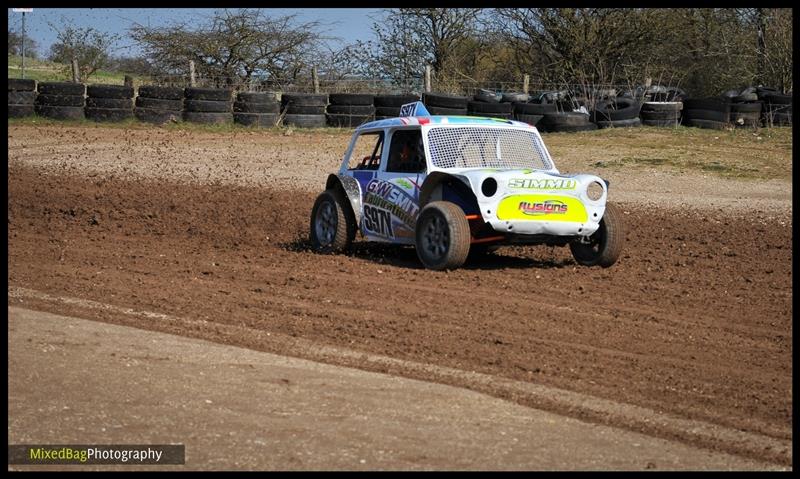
350	24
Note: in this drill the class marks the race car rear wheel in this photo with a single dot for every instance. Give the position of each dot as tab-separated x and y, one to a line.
605	245
442	236
332	223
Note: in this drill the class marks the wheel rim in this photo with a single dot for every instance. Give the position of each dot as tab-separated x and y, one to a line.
435	237
325	223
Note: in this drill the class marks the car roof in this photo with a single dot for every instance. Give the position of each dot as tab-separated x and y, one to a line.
440	119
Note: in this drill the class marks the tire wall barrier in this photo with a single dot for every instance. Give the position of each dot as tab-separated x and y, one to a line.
549	111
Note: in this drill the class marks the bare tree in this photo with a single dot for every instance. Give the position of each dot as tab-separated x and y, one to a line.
89	46
232	46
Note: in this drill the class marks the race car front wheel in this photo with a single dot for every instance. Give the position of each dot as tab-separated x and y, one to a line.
604	246
442	236
332	223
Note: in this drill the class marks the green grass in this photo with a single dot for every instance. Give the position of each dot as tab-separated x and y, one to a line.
43	70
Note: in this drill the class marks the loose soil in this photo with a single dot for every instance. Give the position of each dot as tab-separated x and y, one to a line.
694	320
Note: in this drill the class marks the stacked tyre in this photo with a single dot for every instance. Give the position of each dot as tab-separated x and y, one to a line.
712	113
159	104
209	106
531	113
661	113
570	121
61	100
304	110
388	106
256	109
438	104
617	113
348	110
491	110
778	109
21	97
109	102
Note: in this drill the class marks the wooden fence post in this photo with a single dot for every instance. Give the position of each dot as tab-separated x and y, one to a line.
76	74
315	79
129	81
192	79
427	78
526	83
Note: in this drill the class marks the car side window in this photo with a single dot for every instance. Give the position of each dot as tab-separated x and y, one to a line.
367	151
406	153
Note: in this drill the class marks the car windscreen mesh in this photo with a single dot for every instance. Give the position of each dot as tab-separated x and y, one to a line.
474	147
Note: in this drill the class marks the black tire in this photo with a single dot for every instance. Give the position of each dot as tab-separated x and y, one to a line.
746	107
764	91
60	100
651	106
109	91
633	122
116	103
529	119
394	101
778	99
620	109
749	119
437	110
207	94
715	104
534	108
161	92
304	121
707	124
389	111
21	84
333	224
605	245
296	99
442	236
108	114
262	120
60	112
565	119
660	115
247	107
157	116
159	104
712	115
208	118
362	99
21	97
20	111
745	97
502	116
257	97
62	88
351	109
208	106
347	121
661	123
444	101
305	109
486	96
481	107
515	97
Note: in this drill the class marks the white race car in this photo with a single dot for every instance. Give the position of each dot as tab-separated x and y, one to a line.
451	185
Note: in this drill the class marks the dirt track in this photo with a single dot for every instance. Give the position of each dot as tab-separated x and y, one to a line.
694	320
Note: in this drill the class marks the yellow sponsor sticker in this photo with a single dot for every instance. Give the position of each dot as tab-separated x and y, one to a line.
542	208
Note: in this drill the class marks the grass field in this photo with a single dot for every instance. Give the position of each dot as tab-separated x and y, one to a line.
765	153
43	70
